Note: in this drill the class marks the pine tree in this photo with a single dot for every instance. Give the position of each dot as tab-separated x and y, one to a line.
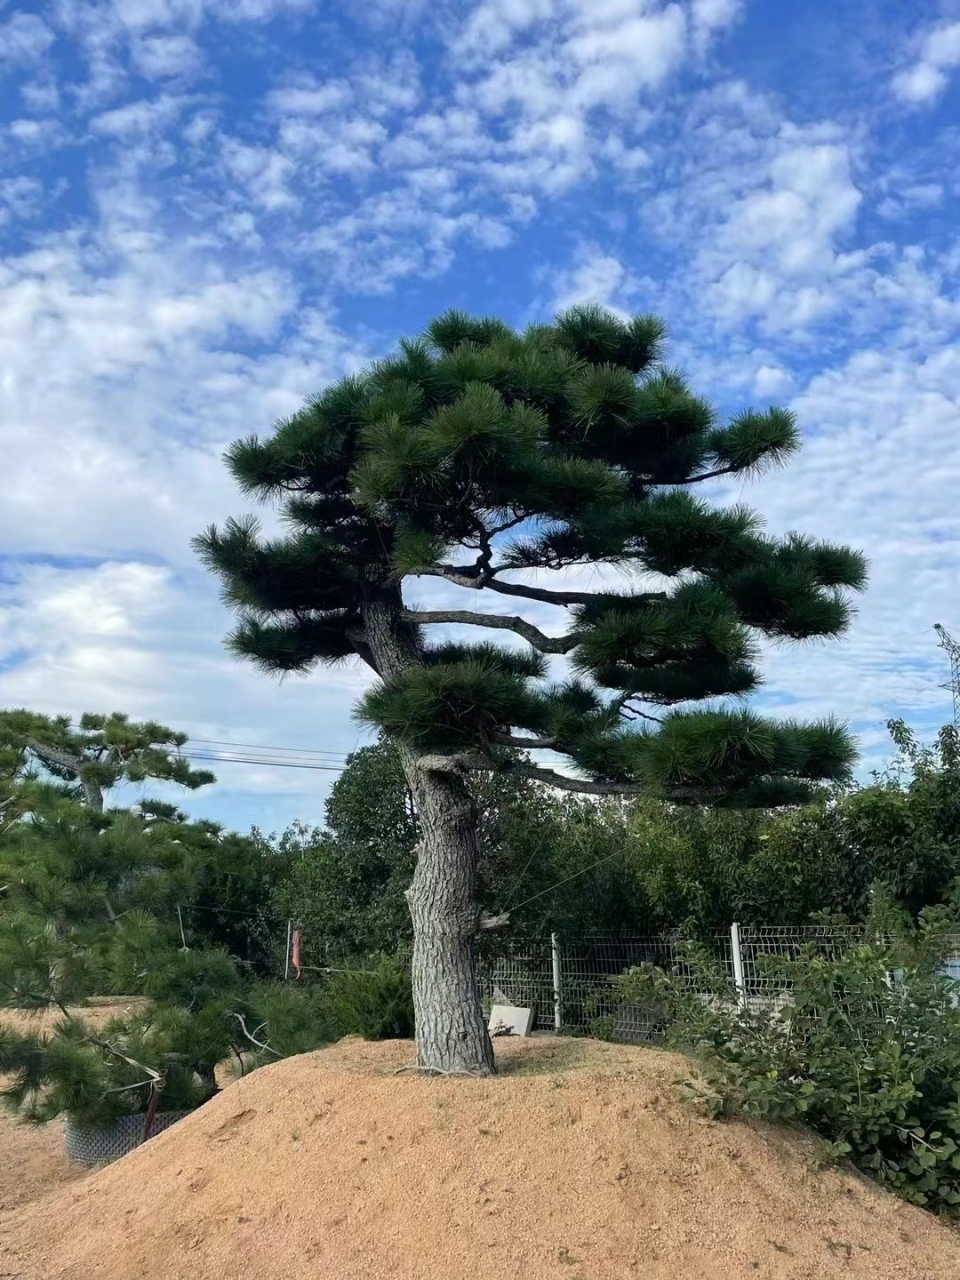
476	452
94	755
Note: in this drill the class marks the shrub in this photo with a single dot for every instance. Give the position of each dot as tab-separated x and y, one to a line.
291	1018
866	1051
375	1002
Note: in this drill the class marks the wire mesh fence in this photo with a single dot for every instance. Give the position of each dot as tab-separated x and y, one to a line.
570	983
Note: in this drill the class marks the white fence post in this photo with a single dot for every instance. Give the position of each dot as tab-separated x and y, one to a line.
557	1003
286	958
737	956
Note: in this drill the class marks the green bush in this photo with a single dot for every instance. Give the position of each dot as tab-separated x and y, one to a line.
375	1002
866	1051
290	1017
191	979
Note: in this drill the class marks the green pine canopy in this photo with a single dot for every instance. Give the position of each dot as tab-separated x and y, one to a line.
476	454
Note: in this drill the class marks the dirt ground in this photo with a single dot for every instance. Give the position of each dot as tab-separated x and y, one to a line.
577	1163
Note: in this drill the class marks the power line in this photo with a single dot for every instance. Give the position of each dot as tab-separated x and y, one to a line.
273	764
257	746
305	752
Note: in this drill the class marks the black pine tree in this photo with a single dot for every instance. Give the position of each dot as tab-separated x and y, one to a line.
475	455
94	755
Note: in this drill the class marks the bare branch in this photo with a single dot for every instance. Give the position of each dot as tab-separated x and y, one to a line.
465	576
358	639
474	762
530	744
55	755
629	712
707	475
580	785
253	1040
498	622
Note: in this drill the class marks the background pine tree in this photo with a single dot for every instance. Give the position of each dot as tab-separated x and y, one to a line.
93	755
477	451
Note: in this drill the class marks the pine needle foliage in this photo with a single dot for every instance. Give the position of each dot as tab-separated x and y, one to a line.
93	755
477	451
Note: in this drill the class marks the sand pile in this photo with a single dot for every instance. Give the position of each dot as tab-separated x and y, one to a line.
577	1163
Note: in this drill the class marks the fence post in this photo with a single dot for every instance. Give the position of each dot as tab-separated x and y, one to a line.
737	956
286	957
557	998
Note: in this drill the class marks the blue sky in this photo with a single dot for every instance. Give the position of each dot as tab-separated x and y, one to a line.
210	208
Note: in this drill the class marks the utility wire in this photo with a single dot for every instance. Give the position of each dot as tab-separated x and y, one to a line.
273	764
256	746
582	872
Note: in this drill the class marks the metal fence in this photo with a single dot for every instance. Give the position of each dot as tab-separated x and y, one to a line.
570	982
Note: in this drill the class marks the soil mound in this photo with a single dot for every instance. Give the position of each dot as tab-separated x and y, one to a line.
577	1163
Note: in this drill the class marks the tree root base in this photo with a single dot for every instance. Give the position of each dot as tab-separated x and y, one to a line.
482	1073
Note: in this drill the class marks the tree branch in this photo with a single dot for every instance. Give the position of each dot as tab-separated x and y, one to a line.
707	475
533	635
362	649
474	762
55	755
465	576
532	744
622	707
252	1038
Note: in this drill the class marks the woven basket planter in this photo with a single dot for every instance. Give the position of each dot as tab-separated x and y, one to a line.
109	1142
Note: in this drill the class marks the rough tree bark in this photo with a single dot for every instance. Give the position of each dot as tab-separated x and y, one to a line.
92	791
452	1037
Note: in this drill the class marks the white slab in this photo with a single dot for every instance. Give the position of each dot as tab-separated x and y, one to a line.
508	1020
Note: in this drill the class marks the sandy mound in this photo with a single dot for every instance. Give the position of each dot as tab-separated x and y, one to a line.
576	1164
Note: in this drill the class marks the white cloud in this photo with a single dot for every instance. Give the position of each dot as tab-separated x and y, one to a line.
24	38
143	117
160	57
264	173
772	382
906	198
864	422
927	77
597	279
794	219
22	196
493	25
131	636
714	15
639	52
310	97
135	379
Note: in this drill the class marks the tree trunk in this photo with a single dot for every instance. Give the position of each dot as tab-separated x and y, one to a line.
452	1037
92	794
61	759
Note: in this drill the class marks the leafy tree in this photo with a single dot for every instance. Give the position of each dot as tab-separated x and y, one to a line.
96	755
475	452
906	827
344	884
